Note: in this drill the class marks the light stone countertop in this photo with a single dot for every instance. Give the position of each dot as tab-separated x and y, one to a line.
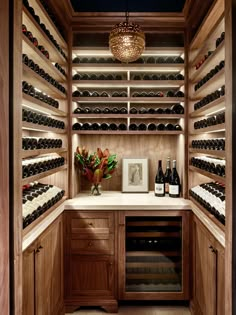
114	200
123	201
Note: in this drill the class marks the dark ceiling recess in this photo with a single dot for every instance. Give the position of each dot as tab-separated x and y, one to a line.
128	5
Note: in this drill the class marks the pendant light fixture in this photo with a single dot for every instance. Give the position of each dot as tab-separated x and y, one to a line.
127	41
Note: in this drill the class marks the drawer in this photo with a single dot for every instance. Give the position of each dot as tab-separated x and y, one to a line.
90	223
93	246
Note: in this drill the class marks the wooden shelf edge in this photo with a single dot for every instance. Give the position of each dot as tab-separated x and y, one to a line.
56	54
53	26
210	21
215	128
198	73
207	213
29	74
34	103
218	77
29	153
207	109
155	116
125	67
43	174
30	227
207	174
217	153
130	83
46	64
101	51
41	128
129	99
126	132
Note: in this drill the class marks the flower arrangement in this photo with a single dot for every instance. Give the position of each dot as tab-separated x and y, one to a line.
95	166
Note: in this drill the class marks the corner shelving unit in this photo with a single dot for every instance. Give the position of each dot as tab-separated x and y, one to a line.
59	175
138	144
198	49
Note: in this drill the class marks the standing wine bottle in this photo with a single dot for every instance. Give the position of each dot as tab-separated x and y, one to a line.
174	182
167	175
160	181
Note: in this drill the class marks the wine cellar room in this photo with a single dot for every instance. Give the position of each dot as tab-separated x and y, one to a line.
117	150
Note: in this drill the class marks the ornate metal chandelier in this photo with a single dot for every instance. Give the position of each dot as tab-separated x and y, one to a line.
127	41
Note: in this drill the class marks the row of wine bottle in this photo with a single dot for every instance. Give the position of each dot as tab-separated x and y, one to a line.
35	67
151	59
43	27
168	183
123	126
35	118
219	40
34	143
158	77
52	17
210	98
209	144
109	76
210	121
212	197
34	40
145	244
211	165
87	93
30	90
42	164
93	76
38	198
174	109
209	75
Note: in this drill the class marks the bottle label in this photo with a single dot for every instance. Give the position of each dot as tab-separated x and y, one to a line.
159	188
174	189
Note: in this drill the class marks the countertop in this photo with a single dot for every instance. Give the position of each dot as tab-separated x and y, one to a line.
123	201
111	200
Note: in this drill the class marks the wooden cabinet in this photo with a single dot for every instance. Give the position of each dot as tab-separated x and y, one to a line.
208	264
43	273
90	260
153	255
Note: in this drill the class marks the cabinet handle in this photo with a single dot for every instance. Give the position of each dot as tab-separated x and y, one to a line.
90	244
90	224
110	263
212	249
38	249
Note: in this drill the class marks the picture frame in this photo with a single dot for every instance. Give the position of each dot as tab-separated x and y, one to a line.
135	175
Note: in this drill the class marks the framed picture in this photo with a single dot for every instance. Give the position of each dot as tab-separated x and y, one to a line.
134	175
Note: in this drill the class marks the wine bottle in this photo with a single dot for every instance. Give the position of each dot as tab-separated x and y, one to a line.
160	181
167	175
174	182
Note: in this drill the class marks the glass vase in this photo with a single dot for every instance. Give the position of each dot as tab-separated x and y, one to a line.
96	190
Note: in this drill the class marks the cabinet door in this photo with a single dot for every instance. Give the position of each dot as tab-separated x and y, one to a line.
49	271
92	276
220	280
29	280
205	273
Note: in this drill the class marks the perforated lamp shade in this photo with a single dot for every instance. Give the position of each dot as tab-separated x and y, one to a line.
127	42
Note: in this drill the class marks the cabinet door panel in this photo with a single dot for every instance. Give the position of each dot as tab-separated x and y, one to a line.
220	282
28	281
205	274
49	272
92	275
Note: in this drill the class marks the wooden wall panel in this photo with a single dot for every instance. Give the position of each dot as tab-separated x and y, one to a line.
4	158
230	117
153	147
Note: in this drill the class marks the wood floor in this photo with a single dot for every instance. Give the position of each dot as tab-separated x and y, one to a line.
139	310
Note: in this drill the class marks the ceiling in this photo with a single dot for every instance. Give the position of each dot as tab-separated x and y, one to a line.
128	5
